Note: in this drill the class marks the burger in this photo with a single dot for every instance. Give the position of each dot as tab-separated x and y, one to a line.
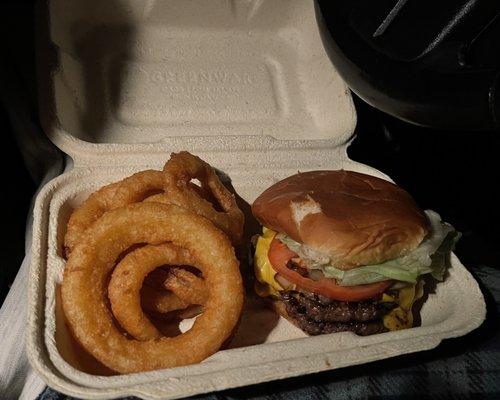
345	251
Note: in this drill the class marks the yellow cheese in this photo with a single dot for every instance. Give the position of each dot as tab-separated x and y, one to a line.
401	317
263	269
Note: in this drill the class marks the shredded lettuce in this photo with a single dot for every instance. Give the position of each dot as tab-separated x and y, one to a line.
431	256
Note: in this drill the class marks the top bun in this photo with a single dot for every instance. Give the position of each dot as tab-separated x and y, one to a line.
356	219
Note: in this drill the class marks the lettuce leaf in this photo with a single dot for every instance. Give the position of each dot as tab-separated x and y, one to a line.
431	256
441	258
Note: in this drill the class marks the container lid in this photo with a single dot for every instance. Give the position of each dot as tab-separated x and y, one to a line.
126	74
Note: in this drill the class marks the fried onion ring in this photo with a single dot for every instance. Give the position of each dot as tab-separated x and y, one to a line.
155	298
129	190
127	279
158	301
160	294
186	285
180	170
92	260
172	186
166	305
95	205
163	197
138	187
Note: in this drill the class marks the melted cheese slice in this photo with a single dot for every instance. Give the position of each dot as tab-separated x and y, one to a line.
266	285
401	317
398	318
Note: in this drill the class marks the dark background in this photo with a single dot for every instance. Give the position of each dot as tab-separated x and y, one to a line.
17	190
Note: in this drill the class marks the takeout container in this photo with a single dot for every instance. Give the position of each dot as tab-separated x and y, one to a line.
247	86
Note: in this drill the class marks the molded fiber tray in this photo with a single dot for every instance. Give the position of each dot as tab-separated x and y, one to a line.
247	86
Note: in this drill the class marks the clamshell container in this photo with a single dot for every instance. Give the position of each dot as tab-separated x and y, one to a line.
247	86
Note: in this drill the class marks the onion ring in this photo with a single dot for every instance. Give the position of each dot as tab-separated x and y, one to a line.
160	293
155	298
156	278
129	190
95	205
180	170
167	305
187	286
90	263
127	279
138	187
172	186
163	197
160	301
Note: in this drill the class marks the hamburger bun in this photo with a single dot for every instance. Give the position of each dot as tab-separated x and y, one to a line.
355	219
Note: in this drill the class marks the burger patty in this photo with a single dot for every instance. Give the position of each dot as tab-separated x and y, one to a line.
317	315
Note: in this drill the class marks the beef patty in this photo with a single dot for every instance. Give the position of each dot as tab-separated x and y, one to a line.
317	314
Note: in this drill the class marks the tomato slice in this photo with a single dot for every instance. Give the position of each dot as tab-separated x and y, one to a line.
279	255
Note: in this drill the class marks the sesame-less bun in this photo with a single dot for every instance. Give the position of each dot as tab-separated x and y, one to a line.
354	218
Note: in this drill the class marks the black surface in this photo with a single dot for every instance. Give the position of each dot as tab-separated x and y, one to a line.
17	94
15	199
433	63
455	173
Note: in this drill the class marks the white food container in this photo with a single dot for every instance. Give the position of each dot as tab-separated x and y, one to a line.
247	86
